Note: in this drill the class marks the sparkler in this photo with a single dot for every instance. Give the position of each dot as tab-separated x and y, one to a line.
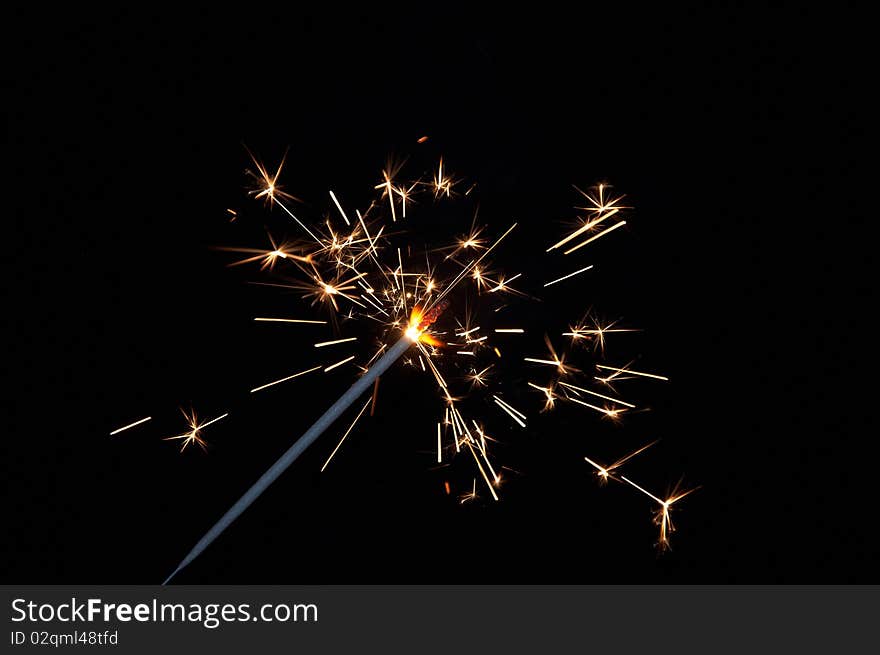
352	273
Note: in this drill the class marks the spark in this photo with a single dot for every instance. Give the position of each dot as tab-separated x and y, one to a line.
289	320
332	366
439	446
339	207
193	436
130	425
647	493
442	184
580	331
517	415
601	203
663	518
509	330
478	379
598	395
609	412
586	227
469	496
471	241
619	371
565	277
604	473
333	343
593	238
554	362
360	413
550	399
502	284
269	258
390	191
405	196
289	377
267	185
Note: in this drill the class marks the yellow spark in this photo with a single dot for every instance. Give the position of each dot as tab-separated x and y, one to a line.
442	184
604	473
267	185
589	225
593	238
582	332
339	207
482	472
471	496
600	204
333	343
471	241
289	377
647	493
289	320
554	362
439	446
630	372
565	277
130	425
193	436
390	191
510	330
550	399
363	409
404	194
662	516
502	284
610	413
332	366
268	257
517	415
478	379
599	395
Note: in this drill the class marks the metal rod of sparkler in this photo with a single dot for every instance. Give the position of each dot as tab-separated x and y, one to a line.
345	401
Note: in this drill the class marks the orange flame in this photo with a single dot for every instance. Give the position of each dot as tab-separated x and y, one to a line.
419	321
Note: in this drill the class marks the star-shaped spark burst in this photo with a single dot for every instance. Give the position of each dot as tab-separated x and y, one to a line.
591	329
662	516
266	185
442	182
267	258
193	435
605	473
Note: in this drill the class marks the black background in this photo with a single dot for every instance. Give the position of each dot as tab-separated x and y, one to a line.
735	135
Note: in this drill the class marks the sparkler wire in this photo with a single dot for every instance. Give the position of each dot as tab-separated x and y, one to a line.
343	403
